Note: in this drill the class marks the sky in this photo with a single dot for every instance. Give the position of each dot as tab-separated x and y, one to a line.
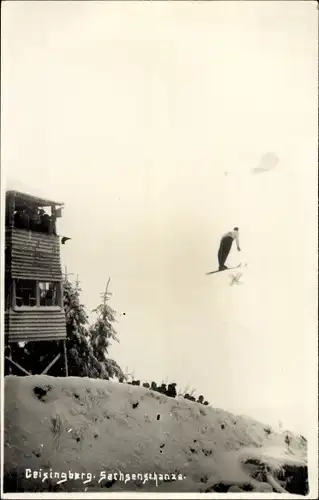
146	119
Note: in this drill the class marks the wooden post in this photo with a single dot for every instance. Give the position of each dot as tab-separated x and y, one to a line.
60	294
8	357
14	293
53	219
51	364
65	359
18	366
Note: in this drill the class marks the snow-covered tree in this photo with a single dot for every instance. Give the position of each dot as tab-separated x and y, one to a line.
102	332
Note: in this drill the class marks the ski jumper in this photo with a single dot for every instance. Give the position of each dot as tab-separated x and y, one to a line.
225	246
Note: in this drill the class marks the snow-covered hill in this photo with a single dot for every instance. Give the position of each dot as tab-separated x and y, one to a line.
58	427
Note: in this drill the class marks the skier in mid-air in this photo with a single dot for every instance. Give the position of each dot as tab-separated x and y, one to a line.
225	247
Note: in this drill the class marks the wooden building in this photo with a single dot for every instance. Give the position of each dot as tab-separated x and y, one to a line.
33	277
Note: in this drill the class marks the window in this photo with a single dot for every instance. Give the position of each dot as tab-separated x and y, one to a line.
48	294
34	293
26	293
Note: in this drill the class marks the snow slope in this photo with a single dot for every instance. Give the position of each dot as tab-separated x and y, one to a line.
56	425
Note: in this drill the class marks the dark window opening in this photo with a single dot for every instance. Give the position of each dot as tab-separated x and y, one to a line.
26	293
48	295
31	293
34	219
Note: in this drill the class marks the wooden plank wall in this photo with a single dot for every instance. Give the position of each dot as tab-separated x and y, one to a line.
29	326
36	256
33	255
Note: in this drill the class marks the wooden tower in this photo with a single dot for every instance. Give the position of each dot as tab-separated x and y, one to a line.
33	277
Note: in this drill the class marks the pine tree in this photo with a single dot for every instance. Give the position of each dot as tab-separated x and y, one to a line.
81	359
102	332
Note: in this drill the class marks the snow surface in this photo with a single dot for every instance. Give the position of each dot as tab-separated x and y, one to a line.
87	425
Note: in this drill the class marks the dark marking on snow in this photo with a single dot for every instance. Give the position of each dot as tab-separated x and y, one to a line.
154	395
158	416
96	436
218	488
288	440
108	484
234	489
56	425
222	426
224	487
41	391
246	487
76	395
135	405
78	439
37	454
193	450
207	452
195	441
162	445
204	479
